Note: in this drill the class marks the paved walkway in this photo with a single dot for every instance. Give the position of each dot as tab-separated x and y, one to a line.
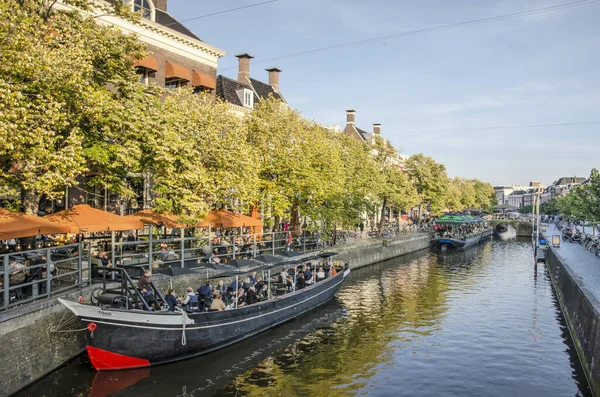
582	262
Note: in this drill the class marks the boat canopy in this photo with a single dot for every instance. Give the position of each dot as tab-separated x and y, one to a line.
456	219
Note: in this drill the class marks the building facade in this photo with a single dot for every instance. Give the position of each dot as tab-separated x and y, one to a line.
177	58
245	92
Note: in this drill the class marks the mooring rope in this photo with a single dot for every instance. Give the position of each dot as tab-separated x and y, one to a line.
184	319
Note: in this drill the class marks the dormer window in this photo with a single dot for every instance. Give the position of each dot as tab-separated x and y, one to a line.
144	7
248	98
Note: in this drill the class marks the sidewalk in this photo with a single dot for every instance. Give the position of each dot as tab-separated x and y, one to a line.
582	262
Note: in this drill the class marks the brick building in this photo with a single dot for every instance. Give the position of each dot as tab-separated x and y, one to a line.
177	57
242	94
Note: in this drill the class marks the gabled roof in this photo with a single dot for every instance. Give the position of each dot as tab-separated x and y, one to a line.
367	136
227	87
165	19
570	179
264	90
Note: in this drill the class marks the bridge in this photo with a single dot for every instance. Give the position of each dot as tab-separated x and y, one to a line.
523	228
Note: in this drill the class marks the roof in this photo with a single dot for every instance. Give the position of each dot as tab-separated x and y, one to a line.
263	90
226	90
165	19
570	179
227	87
459	219
367	136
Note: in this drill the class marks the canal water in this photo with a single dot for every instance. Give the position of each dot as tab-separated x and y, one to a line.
484	322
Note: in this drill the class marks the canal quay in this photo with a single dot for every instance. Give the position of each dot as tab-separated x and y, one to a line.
480	322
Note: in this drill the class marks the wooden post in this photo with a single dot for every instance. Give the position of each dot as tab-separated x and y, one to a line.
269	285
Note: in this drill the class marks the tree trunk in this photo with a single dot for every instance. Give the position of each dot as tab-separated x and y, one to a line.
419	218
31	201
382	214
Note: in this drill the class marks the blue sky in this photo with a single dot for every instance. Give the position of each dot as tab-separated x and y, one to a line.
527	70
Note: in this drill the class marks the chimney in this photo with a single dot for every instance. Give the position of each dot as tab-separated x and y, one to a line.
377	129
350	114
161	4
244	68
274	77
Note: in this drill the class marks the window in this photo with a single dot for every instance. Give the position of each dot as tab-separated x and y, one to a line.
145	74
248	98
143	6
175	82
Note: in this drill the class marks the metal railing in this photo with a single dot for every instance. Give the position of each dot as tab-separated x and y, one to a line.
24	275
28	276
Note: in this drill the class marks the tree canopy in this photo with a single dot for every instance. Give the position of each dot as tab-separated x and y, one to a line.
72	110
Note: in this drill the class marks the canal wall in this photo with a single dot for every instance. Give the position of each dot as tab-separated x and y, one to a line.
373	252
581	310
33	348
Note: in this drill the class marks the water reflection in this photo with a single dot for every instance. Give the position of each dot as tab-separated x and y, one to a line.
480	322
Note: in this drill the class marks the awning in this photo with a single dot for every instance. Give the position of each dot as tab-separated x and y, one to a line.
173	70
85	219
149	63
17	224
204	80
153	218
224	218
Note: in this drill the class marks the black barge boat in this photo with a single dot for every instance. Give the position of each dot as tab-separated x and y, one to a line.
124	339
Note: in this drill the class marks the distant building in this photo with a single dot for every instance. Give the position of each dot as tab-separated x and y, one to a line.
570	180
535	184
242	94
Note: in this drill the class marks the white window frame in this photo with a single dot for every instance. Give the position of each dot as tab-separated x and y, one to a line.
152	16
248	98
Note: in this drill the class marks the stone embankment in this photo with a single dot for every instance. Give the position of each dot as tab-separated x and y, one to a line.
575	275
33	346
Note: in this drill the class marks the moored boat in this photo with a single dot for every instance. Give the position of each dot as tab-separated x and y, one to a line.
121	338
460	231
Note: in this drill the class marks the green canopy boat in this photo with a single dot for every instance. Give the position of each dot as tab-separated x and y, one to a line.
447	237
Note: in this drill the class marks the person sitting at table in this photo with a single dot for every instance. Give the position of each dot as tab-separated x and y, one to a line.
235	285
320	274
253	278
191	300
263	293
217	303
214	257
103	257
300	281
241	297
251	297
259	283
247	283
171	300
290	283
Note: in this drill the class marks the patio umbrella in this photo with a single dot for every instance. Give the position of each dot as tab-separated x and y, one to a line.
224	218
83	218
175	271
291	254
15	224
244	263
148	216
270	259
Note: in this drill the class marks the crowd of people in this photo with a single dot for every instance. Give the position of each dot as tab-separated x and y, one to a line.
240	292
460	232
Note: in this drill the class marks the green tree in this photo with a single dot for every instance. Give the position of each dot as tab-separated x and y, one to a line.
430	180
57	115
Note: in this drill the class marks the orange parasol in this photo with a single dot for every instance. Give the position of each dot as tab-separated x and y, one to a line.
224	218
153	218
17	224
83	218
